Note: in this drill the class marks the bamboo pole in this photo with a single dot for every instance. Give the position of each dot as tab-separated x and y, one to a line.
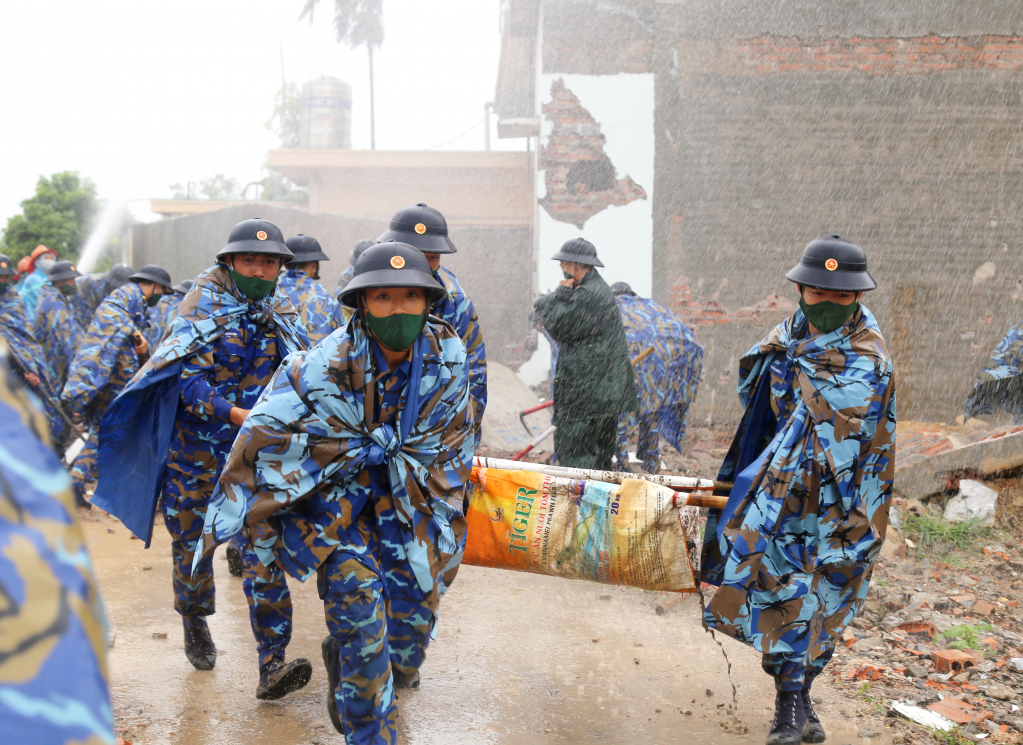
684	484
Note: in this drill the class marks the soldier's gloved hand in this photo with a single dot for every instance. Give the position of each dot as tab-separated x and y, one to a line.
141	345
238	415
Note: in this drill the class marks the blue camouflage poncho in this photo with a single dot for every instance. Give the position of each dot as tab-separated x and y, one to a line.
320	313
458	310
29	357
106	359
53	680
813	463
999	386
311	435
666	380
58	332
135	433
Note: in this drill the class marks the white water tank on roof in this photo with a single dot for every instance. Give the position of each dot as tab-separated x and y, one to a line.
326	113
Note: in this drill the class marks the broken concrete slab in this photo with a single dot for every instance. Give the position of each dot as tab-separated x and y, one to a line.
917	478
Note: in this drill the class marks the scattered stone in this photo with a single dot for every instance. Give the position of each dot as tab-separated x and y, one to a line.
867	645
866	732
735	726
709	693
1015	664
686	712
159	634
975	501
636	660
916	671
596	640
1000	692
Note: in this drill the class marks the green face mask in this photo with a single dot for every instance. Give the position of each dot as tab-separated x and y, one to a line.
68	290
253	288
154	299
436	274
828	316
396	332
4	286
568	275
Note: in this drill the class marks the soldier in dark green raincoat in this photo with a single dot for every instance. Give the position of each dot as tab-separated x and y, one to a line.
595	382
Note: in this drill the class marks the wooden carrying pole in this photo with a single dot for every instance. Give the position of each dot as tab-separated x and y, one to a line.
682	484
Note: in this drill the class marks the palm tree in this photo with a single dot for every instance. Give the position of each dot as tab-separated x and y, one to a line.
358	22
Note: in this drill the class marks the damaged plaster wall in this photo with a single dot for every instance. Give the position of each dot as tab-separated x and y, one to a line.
896	127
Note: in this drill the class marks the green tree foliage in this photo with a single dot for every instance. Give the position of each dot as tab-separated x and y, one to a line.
357	22
59	215
215	187
287	117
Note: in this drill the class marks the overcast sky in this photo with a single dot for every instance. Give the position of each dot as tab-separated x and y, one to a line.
138	95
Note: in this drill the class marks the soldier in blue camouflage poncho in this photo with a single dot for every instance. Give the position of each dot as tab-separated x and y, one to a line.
54	673
999	386
812	462
162	315
56	326
320	313
169	434
93	289
667	376
426	229
111	352
352	466
26	356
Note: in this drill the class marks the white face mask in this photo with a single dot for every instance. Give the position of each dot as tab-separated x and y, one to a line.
46	262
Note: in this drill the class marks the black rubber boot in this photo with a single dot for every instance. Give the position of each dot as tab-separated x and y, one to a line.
789	719
80	500
234	560
277	679
814	731
331	651
412	682
199	647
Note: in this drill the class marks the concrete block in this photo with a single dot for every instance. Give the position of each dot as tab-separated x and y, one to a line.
507	395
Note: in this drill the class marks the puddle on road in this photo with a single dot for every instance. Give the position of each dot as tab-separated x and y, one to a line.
515	663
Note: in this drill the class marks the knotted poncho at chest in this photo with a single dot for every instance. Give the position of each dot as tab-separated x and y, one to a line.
312	433
793	550
135	433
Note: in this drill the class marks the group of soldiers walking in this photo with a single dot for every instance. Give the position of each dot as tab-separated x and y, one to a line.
331	436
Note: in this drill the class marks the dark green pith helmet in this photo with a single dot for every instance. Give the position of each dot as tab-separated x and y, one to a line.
833	264
63	270
422	227
579	250
153	273
391	264
305	248
255	236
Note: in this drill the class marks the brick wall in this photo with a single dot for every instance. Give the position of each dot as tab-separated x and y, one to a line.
911	146
880	56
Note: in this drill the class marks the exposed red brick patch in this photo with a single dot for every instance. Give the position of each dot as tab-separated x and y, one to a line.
580	178
884	56
711	312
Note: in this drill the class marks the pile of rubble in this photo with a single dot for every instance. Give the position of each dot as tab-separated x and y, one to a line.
934	638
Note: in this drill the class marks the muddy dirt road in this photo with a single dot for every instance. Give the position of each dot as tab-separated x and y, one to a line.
518	659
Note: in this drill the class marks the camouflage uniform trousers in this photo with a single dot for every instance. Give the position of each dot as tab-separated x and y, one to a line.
270	610
648	441
379	616
794	674
85	469
185	501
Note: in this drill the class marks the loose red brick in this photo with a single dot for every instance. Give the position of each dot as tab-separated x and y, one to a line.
951	660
